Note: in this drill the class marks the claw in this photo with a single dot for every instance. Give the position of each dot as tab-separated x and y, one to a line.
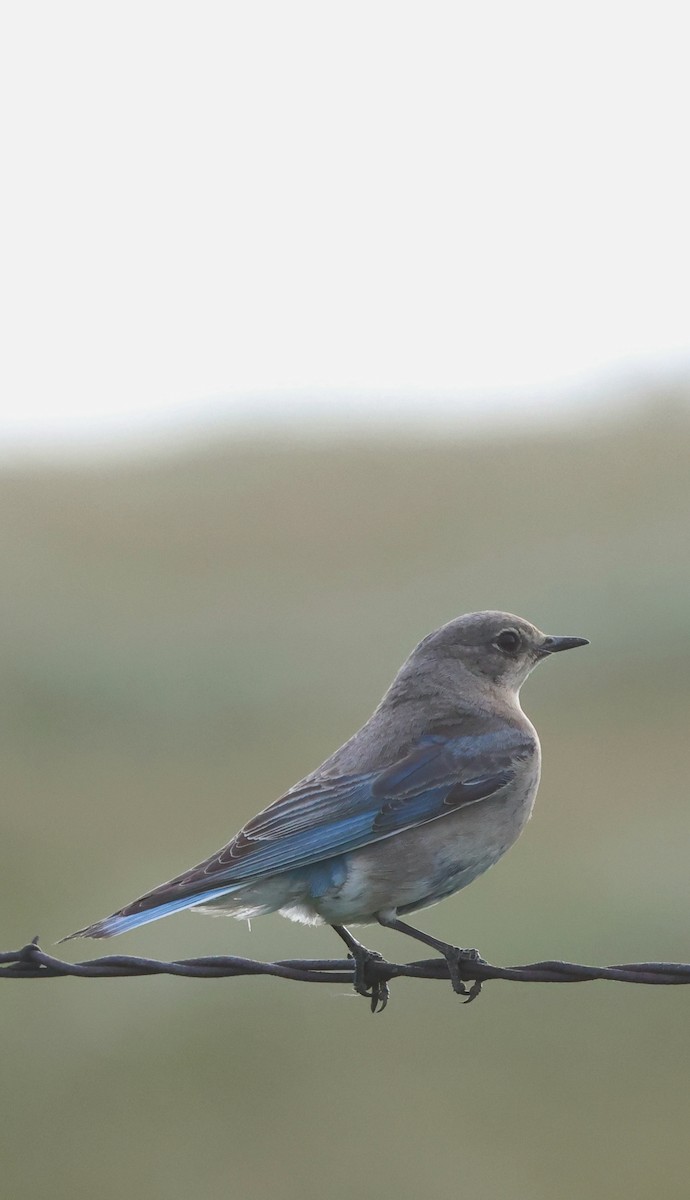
456	959
378	992
473	991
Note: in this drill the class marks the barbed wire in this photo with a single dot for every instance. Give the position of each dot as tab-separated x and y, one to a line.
31	962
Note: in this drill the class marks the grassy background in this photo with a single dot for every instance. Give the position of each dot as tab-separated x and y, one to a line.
184	637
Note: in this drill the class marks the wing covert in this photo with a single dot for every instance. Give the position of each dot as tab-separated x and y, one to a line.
330	814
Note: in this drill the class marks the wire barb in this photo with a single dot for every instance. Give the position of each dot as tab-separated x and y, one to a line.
31	962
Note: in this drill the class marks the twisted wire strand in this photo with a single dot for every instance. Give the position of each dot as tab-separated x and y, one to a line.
32	962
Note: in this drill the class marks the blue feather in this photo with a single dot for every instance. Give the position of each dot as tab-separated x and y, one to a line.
327	816
321	819
122	923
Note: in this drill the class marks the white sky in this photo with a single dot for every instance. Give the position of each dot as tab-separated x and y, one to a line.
208	205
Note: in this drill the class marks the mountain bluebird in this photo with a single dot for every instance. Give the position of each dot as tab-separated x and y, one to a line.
430	792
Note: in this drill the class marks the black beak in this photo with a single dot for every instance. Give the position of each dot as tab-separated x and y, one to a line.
551	645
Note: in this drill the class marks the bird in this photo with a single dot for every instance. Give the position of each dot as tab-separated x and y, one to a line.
433	789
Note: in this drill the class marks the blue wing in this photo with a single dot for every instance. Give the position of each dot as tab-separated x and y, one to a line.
325	815
328	814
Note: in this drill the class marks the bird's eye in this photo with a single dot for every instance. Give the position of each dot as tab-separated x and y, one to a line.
509	641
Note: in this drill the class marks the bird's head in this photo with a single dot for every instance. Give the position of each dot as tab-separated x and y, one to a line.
496	647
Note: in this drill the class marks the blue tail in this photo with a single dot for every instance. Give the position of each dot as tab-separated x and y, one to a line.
124	921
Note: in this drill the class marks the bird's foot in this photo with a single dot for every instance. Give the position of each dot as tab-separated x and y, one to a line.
377	991
458	959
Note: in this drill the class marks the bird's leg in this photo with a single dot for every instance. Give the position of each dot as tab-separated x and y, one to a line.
379	992
454	956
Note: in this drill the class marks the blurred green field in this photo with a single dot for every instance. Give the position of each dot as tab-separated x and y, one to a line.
182	638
